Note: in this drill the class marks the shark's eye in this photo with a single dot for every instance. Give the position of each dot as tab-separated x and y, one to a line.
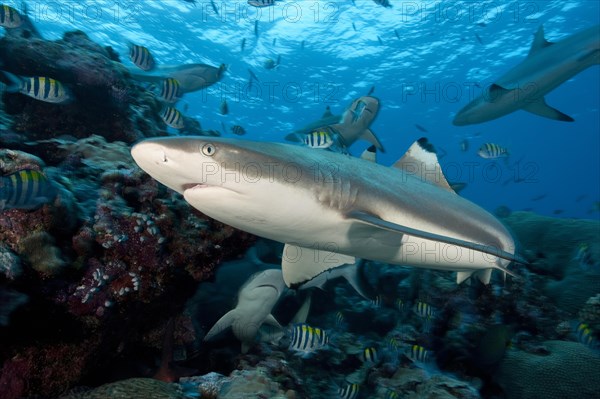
208	149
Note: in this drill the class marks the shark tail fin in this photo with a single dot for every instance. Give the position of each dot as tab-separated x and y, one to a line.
224	322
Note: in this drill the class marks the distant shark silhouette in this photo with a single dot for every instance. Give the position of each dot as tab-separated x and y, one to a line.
191	77
547	66
349	127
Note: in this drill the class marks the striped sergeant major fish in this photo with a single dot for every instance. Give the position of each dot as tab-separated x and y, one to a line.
25	189
170	91
492	151
418	354
318	139
141	57
307	339
369	355
585	335
172	117
40	88
424	310
9	17
349	391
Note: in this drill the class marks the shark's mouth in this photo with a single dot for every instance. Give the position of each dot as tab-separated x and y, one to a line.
190	186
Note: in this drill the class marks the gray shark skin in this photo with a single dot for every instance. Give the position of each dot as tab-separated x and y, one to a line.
191	77
256	299
329	208
547	66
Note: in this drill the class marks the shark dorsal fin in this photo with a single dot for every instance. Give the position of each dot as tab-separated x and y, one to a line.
539	42
327	113
421	161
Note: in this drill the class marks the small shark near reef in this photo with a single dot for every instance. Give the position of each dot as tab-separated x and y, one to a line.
330	208
191	77
349	127
256	299
547	66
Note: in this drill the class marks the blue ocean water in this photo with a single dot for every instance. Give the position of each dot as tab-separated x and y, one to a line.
423	58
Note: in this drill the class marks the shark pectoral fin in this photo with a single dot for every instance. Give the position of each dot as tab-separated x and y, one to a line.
270	320
422	162
368	135
375	221
302	313
485	276
539	107
300	264
224	322
246	347
462	276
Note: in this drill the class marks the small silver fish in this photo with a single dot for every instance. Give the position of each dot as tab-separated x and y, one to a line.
238	130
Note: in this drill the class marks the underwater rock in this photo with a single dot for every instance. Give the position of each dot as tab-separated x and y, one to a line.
570	370
9	301
415	383
553	246
39	251
10	263
251	383
101	86
133	388
590	313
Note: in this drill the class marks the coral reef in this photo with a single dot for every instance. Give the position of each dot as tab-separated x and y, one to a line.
133	388
565	370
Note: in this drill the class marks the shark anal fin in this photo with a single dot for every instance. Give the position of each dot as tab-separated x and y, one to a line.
383	224
462	276
224	322
541	108
422	162
300	264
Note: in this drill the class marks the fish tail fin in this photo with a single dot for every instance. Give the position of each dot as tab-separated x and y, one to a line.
13	82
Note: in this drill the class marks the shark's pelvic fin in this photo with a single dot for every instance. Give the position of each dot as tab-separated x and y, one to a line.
539	42
224	322
302	314
421	161
375	221
541	108
367	134
300	264
483	275
370	154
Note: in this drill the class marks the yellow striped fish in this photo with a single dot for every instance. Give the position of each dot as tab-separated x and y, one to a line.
9	17
424	310
141	57
492	151
419	354
172	117
369	355
25	189
307	339
39	87
318	139
170	91
350	391
585	335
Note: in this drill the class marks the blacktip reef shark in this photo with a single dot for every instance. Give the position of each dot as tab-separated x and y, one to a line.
329	208
349	127
191	77
256	299
547	66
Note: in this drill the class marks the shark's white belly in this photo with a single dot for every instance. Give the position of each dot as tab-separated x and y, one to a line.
296	217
